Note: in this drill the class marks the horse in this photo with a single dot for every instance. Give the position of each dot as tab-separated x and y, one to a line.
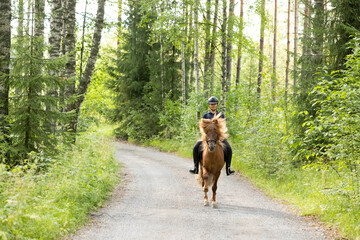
213	131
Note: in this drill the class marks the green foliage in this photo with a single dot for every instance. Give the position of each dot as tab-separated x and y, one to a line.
46	205
33	110
332	134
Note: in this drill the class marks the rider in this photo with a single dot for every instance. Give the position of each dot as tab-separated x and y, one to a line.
197	151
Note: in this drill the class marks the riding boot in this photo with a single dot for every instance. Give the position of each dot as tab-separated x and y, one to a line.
229	171
197	154
195	170
227	158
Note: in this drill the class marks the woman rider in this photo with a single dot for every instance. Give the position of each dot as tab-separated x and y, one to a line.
197	151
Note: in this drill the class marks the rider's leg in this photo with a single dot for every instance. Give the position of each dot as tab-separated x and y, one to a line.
197	154
228	157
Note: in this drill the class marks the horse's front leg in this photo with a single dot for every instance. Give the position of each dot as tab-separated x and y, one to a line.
205	186
214	188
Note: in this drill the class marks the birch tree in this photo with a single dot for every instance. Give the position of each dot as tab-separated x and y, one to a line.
207	47
287	53
261	51
69	49
90	65
296	5
223	57
229	44
238	66
213	46
274	79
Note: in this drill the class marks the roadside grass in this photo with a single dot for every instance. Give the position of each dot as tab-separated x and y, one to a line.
310	191
173	145
48	204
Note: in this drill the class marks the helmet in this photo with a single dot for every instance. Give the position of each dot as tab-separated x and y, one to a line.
213	100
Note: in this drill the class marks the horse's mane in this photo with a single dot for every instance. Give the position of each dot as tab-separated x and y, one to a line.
217	123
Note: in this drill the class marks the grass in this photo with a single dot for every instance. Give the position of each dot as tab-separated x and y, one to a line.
310	191
36	204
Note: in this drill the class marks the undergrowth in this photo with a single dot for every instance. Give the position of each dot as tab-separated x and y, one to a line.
46	204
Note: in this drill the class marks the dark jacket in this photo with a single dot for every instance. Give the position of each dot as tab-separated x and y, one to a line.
210	115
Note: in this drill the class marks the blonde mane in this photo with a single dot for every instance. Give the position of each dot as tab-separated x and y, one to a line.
217	124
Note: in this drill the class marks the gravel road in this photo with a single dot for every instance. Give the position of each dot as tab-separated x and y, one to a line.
160	199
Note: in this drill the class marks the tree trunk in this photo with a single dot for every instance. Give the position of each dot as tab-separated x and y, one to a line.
212	47
162	72
295	43
318	30
229	45
191	50
274	77
207	48
83	42
183	74
56	27
20	29
69	46
90	65
223	58
196	51
186	52
261	52
39	18
119	26
70	67
287	54
5	43
183	63
238	66
305	50
196	47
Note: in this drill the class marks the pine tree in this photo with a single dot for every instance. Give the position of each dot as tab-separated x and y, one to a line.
30	76
5	43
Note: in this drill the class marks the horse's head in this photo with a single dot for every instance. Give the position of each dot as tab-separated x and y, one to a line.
212	131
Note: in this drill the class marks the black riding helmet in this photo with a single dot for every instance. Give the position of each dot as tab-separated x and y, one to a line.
213	100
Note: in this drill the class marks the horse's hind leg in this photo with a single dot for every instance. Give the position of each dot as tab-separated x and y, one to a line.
214	188
205	187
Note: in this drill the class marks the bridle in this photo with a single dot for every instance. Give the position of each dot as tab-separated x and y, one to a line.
209	141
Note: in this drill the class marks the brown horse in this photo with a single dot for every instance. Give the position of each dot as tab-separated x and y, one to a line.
213	132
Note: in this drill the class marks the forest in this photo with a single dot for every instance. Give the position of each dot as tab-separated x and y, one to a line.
286	73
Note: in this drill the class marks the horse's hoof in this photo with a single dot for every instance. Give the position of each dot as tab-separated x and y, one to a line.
206	203
213	205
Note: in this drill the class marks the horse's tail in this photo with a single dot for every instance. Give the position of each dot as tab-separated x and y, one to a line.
209	179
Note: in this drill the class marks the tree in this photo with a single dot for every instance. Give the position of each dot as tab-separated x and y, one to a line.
287	53
223	57
90	65
295	41
213	46
70	69
119	26
261	51
5	44
238	68
229	44
274	80
196	46
207	59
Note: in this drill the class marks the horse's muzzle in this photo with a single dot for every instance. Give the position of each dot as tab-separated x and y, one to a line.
211	144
